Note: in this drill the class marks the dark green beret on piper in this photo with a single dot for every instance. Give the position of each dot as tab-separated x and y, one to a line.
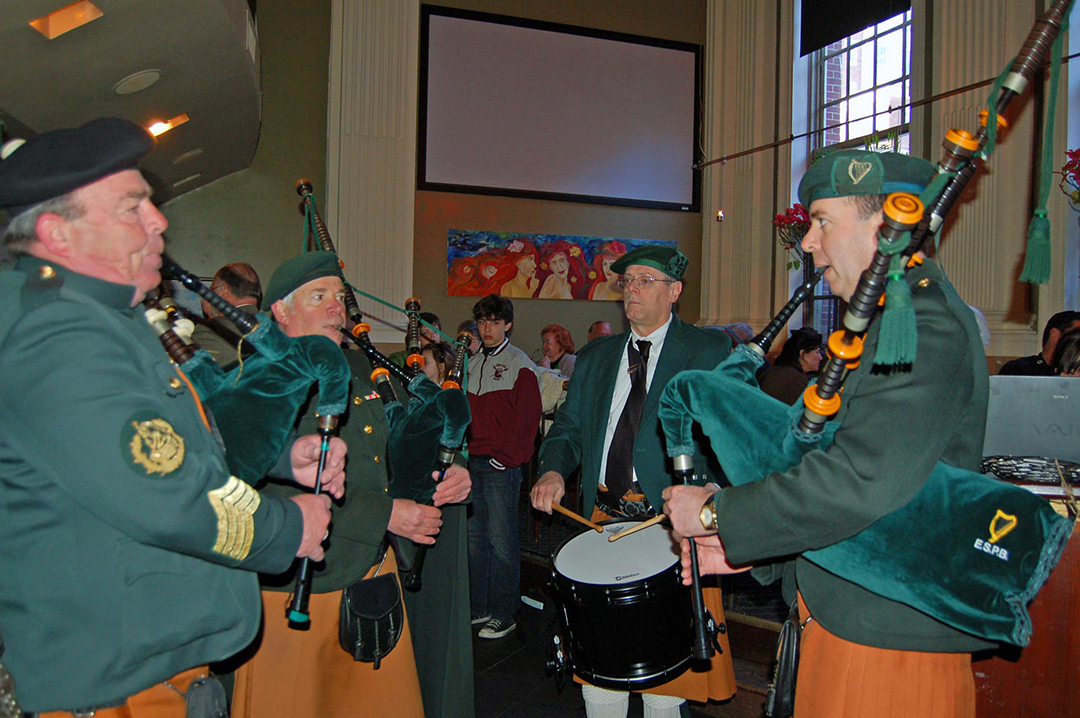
55	163
298	271
668	260
854	172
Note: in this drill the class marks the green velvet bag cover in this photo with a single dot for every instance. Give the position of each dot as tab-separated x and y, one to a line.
999	542
434	417
255	404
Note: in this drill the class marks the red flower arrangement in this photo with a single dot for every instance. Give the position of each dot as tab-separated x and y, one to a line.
1070	178
791	227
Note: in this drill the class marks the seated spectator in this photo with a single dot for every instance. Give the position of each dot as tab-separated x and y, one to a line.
740	332
469	326
427	336
239	285
1066	360
1041	364
787	378
598	329
438	360
558	349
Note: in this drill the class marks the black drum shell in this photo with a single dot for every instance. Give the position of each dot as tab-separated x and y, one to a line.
630	636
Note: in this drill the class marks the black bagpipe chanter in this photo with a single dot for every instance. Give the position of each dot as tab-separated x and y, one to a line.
427	424
973	519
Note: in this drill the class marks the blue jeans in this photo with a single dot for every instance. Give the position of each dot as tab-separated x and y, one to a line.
494	541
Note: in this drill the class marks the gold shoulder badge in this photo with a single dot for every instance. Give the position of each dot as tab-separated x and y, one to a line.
154	445
235	505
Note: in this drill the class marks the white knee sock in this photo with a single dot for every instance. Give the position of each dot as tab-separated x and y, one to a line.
661	706
602	703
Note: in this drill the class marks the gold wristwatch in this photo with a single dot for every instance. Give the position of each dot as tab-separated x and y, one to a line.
708	514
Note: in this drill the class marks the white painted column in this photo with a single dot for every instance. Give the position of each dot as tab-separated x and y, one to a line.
747	87
371	163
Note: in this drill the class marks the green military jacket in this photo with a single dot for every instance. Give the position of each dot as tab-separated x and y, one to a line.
362	515
220	338
894	429
120	527
577	436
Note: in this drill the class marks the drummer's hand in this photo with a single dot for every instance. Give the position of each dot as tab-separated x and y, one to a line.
547	491
454	488
416	522
711	558
683	504
304	457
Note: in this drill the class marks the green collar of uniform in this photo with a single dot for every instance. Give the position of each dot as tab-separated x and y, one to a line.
45	275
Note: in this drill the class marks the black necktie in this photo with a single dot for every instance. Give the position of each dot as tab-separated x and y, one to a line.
619	476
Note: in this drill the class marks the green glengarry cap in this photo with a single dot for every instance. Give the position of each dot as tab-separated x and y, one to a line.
857	172
668	260
298	271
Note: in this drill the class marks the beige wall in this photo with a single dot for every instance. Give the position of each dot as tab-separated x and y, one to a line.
436	212
252	216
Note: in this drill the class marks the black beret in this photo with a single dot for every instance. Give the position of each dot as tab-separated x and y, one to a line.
298	271
55	163
667	259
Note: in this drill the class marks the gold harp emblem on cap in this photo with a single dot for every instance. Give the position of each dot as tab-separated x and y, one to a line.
999	532
857	171
156	446
235	505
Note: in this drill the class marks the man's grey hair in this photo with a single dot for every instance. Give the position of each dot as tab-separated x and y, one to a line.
20	232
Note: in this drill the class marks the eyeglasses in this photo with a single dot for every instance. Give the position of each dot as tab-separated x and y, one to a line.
643	282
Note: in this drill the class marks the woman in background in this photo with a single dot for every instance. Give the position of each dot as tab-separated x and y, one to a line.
787	378
558	349
1066	361
565	271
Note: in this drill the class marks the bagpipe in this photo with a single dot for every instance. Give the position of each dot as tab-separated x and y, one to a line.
427	427
992	573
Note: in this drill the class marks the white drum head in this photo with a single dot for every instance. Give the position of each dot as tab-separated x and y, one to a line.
591	558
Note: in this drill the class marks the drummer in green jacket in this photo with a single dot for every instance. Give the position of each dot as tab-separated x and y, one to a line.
863	654
121	530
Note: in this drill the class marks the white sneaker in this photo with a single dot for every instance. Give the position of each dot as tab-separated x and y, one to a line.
477	620
496	629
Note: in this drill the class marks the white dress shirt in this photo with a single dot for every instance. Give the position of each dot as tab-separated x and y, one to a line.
623	384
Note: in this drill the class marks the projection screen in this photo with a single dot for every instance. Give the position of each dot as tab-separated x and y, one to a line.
518	108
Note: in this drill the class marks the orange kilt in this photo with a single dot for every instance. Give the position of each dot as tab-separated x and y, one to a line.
717	683
840	679
306	673
157	701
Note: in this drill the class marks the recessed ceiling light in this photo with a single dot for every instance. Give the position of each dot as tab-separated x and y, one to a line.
181	159
190	178
160	128
67	18
137	82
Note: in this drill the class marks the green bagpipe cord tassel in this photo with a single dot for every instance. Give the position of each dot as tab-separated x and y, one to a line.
898	340
1037	261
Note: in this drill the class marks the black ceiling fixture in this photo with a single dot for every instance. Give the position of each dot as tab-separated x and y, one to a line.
826	21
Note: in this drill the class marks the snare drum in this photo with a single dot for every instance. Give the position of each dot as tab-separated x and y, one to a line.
626	617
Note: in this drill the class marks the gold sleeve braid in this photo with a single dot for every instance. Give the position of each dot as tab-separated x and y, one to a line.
235	505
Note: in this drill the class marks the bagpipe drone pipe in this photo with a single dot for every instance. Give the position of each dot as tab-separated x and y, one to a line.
427	426
967	550
255	404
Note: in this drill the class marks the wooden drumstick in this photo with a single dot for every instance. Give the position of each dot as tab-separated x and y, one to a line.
580	519
640	527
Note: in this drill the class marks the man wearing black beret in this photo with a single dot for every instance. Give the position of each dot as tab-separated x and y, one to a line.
121	531
609	426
